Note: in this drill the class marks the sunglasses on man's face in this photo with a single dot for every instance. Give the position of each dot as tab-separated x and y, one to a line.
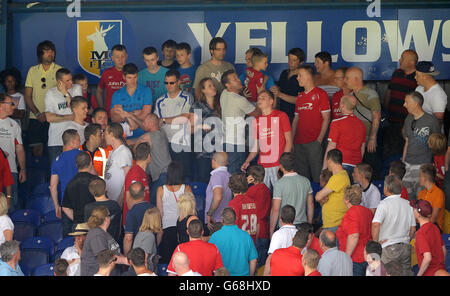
170	82
43	83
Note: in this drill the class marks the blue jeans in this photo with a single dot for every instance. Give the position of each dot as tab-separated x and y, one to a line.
53	153
235	157
349	170
154	186
262	246
359	269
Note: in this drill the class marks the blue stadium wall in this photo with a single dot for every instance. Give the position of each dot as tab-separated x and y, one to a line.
347	30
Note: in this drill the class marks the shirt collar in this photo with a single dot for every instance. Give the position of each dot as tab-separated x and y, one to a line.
290	174
393	196
329	250
221	168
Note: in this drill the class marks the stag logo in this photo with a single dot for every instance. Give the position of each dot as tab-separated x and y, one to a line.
95	40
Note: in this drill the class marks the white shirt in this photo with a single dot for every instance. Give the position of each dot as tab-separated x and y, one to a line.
5	224
147	274
396	217
71	253
56	103
234	109
282	238
10	135
434	99
170	206
371	197
114	172
19	100
170	107
79	128
191	273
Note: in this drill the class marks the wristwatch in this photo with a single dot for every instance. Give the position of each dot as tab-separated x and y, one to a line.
9	197
164	120
37	114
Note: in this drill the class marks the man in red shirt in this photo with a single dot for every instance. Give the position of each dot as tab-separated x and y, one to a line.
6	178
272	137
204	257
112	78
137	174
263	200
355	229
348	134
312	117
430	248
243	205
339	76
288	261
310	261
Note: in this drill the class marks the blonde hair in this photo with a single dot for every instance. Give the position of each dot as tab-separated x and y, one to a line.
186	204
3	204
98	217
353	194
151	221
438	143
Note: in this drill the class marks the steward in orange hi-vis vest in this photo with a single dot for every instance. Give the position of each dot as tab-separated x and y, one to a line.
99	158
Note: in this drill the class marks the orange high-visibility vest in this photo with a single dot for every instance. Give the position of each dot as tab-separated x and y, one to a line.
99	159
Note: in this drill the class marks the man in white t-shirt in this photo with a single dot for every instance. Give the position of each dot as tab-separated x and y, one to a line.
234	109
73	254
362	174
393	225
434	97
11	144
282	238
119	163
173	111
57	108
79	107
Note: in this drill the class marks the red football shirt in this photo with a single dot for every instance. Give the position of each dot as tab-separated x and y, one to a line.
315	273
253	79
204	257
429	239
135	174
404	193
439	164
287	262
357	219
6	178
335	103
263	200
269	130
111	80
309	108
246	213
316	246
349	133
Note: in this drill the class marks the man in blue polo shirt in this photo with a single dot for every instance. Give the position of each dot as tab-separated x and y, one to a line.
9	265
236	246
133	98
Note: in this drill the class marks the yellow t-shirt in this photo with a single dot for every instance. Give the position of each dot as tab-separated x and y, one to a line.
334	209
34	80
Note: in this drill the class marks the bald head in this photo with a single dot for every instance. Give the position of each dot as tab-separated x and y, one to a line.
354	77
348	103
327	239
221	158
151	122
180	263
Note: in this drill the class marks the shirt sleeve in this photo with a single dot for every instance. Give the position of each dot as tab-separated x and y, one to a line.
336	183
18	135
129	223
324	101
253	252
147	93
125	159
285	123
333	136
421	244
21	102
245	105
274	243
219	263
352	225
277	194
67	197
98	244
49	106
115	99
379	214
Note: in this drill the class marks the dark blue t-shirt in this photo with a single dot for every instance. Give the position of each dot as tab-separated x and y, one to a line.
66	168
134	217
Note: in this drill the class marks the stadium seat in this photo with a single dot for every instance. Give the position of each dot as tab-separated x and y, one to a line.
162	269
380	185
27	215
65	243
32	258
446	239
53	229
41	189
50	217
39	243
36	177
42	204
23	230
43	270
199	191
24	269
198	188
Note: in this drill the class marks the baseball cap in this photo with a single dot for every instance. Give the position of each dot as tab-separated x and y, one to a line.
423	207
427	68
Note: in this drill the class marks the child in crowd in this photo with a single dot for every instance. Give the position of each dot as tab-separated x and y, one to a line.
10	79
438	145
260	193
82	80
168	49
372	254
255	80
186	69
362	174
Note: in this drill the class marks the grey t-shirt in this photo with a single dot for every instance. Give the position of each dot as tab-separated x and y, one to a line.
146	241
160	156
208	69
96	241
293	190
418	131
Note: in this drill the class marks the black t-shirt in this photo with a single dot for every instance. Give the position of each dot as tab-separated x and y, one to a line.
290	87
173	66
115	212
77	195
183	236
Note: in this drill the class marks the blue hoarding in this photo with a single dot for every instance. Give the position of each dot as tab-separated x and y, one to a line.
349	34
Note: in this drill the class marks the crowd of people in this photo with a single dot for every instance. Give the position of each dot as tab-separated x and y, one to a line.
289	165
